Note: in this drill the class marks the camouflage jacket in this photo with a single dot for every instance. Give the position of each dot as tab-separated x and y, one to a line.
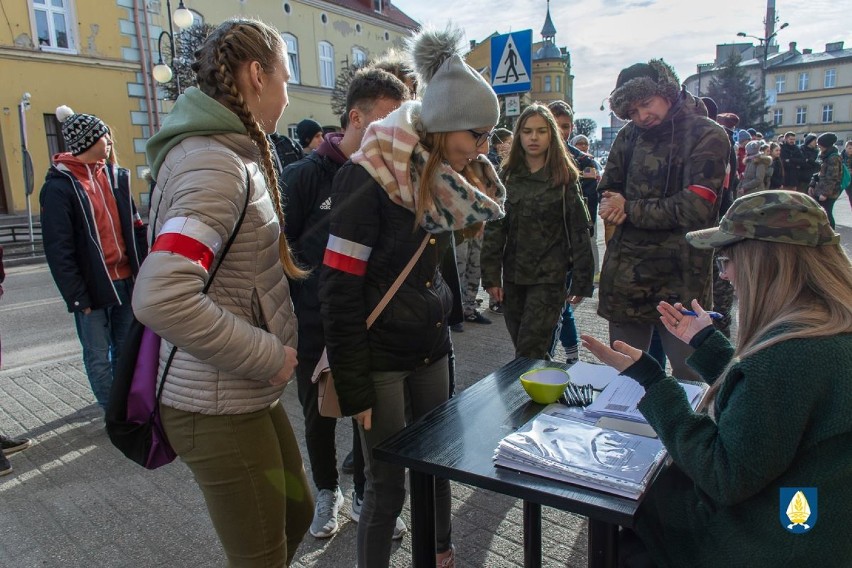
530	244
830	174
671	176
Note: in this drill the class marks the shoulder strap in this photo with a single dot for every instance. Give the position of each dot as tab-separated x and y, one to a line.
212	274
398	282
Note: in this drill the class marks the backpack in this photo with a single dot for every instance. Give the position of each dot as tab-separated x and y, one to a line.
288	150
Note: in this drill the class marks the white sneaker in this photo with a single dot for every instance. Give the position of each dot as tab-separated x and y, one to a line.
328	505
355	514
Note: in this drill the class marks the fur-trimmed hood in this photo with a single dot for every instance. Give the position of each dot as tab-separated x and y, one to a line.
641	81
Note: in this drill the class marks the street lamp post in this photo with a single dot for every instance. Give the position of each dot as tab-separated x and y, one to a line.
764	44
183	18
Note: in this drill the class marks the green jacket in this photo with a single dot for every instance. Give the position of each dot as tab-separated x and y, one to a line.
530	246
671	176
782	420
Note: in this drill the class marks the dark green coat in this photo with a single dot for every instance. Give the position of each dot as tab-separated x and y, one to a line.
671	176
830	174
530	246
782	420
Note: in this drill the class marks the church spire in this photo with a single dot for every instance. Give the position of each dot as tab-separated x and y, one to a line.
548	32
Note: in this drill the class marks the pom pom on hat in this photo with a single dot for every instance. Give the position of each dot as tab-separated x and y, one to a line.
456	97
80	131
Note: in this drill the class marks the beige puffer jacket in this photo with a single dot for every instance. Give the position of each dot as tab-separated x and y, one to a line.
225	356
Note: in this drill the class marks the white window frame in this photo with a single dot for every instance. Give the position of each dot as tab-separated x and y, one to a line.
827	113
377	6
830	79
292	43
778	117
326	65
558	83
359	56
292	131
67	11
801	115
804	80
548	86
780	83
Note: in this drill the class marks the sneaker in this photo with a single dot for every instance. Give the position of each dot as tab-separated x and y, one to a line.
10	446
348	467
457	328
5	466
325	524
496	308
355	514
477	317
446	559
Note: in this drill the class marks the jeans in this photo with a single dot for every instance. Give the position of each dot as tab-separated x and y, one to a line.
566	328
420	390
250	471
102	334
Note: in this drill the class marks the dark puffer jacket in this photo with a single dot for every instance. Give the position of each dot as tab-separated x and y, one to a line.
412	332
793	159
671	176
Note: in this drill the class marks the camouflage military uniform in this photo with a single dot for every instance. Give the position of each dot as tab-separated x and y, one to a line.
467	261
528	254
671	185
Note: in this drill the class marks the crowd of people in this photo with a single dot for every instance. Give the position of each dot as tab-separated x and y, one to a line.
417	204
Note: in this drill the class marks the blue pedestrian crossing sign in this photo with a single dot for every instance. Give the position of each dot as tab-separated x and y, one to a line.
511	62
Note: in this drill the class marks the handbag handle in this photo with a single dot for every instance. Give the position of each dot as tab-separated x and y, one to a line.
374	315
212	274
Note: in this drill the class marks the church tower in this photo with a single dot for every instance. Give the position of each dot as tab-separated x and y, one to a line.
552	78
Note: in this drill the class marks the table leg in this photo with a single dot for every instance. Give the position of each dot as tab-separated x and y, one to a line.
422	519
532	535
603	544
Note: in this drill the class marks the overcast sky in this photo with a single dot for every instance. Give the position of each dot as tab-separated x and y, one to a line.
604	36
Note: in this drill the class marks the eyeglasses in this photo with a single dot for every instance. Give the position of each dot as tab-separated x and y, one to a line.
722	263
481	137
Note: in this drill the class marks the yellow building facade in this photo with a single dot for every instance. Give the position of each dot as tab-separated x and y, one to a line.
96	57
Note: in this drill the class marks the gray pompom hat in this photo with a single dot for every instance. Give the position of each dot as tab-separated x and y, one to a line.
456	96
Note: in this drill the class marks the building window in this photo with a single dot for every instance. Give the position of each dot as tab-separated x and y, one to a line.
547	86
780	83
326	63
359	57
828	113
801	115
778	117
377	5
53	24
53	131
292	132
293	55
830	78
558	83
803	81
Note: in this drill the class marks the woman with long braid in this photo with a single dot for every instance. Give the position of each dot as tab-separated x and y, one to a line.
219	405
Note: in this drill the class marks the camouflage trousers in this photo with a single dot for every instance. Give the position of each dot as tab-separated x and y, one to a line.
531	312
723	301
467	262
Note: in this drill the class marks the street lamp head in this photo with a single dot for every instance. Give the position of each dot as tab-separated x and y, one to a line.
162	72
741	34
784	25
182	17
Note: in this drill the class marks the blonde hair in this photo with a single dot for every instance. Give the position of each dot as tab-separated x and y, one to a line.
231	44
559	167
787	292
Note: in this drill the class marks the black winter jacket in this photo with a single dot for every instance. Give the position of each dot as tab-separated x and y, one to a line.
71	243
412	332
793	160
810	166
307	208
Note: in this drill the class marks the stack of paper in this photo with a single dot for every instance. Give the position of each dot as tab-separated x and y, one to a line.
560	443
621	397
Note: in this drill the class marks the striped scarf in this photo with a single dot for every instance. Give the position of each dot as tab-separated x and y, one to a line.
393	155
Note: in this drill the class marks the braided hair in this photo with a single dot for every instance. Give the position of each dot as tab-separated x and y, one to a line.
216	61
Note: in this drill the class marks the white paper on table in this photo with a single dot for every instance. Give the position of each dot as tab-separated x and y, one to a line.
620	399
599	376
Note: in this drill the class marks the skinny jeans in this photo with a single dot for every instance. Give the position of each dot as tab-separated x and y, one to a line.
420	390
250	471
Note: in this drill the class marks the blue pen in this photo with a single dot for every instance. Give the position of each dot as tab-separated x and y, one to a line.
713	315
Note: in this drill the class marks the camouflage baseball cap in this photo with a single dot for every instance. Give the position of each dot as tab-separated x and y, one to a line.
775	216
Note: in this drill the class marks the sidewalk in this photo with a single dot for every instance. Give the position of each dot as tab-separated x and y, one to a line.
75	501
